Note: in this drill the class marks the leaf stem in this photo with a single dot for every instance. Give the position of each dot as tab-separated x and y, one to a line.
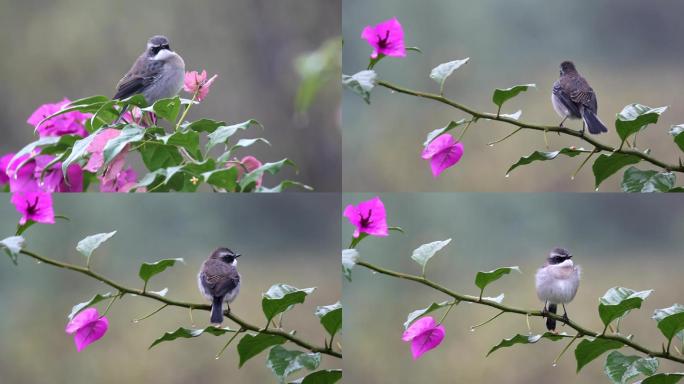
505	137
473	327
151	314
555	361
574	174
447	312
218	355
475	299
187	108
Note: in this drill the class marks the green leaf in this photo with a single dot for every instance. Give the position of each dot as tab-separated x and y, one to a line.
156	156
482	279
283	362
635	117
349	258
413	316
330	317
272	168
86	101
147	270
78	151
282	297
244	143
527	339
88	245
606	165
204	125
225	178
188	333
285	184
440	131
664	378
618	301
188	140
12	246
361	83
589	349
502	95
114	146
424	253
622	369
636	180
81	306
167	109
329	376
441	72
661	314
671	325
221	134
252	345
544	156
29	149
678	132
137	100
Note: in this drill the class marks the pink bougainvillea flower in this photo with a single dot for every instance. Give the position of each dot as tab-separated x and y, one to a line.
386	38
123	181
70	123
424	334
4	164
53	179
443	152
368	217
97	146
198	83
87	327
35	206
246	165
21	172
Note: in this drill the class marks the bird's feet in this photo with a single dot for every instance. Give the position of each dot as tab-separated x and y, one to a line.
545	312
565	319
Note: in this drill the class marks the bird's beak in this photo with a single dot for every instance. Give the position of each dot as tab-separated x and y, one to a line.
238	255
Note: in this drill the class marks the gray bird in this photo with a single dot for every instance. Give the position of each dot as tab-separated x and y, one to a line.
557	282
157	74
219	281
573	98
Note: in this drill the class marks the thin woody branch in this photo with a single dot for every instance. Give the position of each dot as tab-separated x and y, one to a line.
600	147
205	307
582	331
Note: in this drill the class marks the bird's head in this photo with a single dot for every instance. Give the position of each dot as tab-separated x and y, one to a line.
225	255
558	255
158	47
567	67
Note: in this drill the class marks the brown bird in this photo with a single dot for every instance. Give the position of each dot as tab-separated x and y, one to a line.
219	281
573	98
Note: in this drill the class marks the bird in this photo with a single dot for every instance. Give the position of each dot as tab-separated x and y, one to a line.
557	282
219	281
158	73
573	98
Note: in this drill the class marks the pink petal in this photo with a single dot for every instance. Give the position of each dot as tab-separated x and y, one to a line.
427	341
386	38
90	333
4	164
81	319
419	326
96	148
36	206
443	152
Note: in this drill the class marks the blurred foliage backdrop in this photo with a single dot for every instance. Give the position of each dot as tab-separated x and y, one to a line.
72	48
629	50
284	238
619	240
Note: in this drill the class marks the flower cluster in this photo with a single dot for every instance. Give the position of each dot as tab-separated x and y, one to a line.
369	217
387	39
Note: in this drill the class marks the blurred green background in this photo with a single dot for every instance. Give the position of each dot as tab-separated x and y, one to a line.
629	51
619	240
72	48
284	239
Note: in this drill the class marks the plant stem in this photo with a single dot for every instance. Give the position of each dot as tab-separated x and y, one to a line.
151	314
187	108
473	327
228	343
474	299
555	361
600	147
162	299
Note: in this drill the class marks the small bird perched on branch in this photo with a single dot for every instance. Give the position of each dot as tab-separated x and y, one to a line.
573	98
219	281
158	73
557	282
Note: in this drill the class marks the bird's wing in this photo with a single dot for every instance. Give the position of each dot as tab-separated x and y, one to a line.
141	75
222	281
560	91
583	94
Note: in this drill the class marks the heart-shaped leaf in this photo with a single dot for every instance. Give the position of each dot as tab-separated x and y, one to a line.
283	362
500	96
622	369
606	165
544	156
252	345
589	349
88	245
637	181
482	279
147	270
361	83
441	72
527	339
635	117
618	301
330	317
424	253
188	333
282	297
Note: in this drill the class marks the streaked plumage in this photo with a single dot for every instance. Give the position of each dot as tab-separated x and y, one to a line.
158	73
219	281
573	98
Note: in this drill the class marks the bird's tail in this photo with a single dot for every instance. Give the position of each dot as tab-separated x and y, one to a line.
551	323
592	121
217	310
